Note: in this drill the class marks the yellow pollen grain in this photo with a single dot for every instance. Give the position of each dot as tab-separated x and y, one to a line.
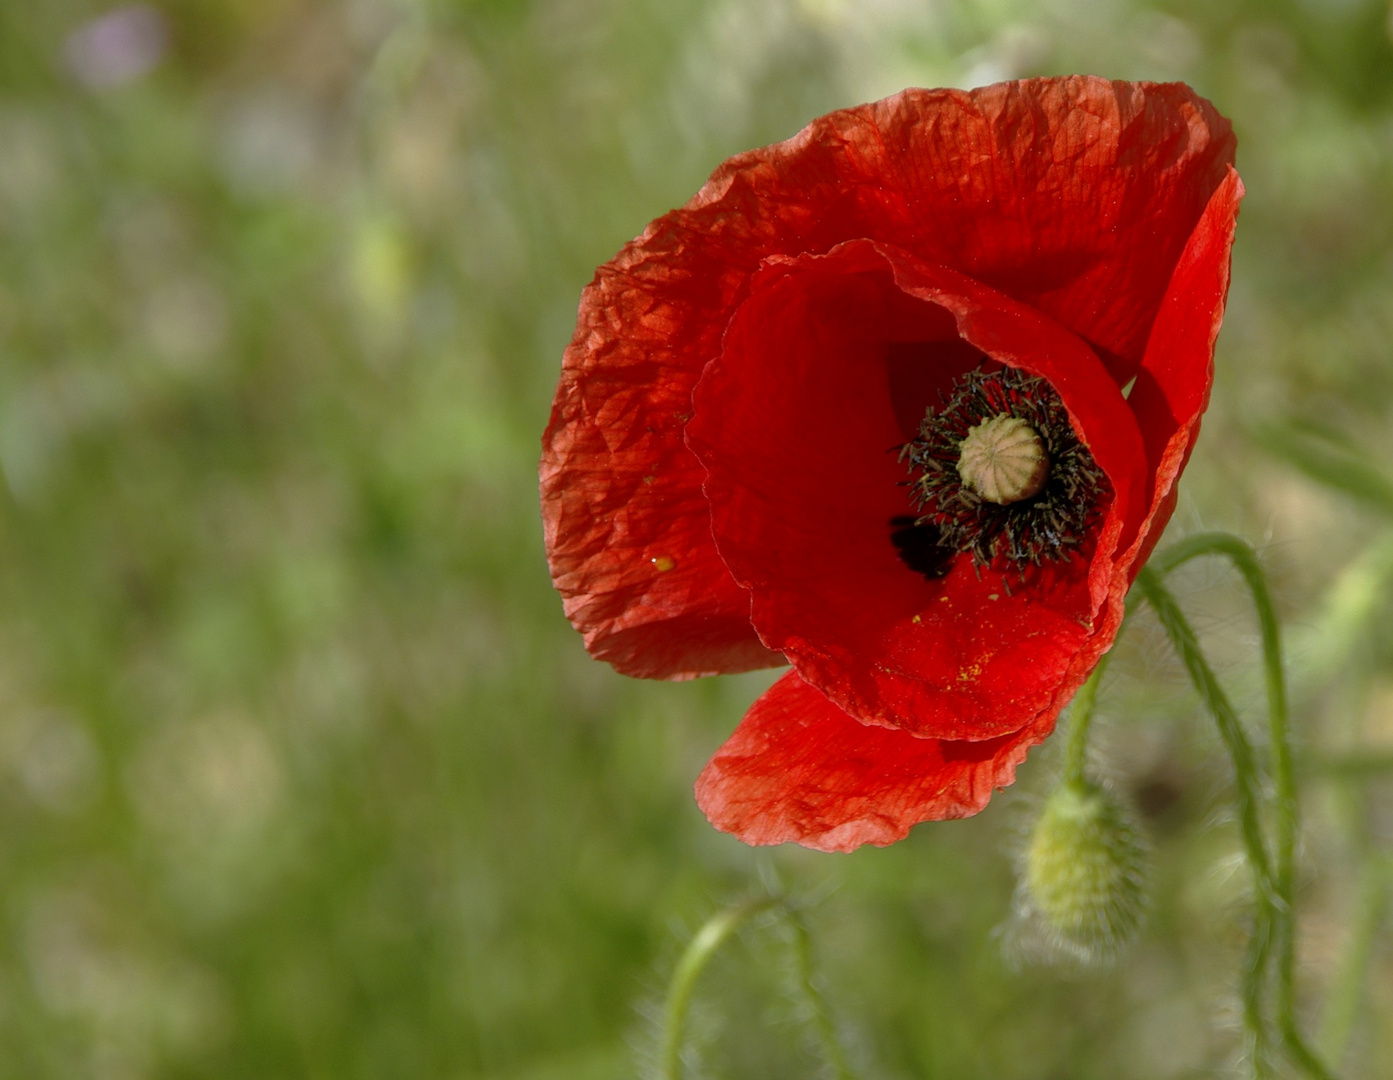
917	619
970	673
993	596
663	563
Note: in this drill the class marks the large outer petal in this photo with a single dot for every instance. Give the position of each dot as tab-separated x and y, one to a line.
628	534
1172	388
796	425
1074	195
799	769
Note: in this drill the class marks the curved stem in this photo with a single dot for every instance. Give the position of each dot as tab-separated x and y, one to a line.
689	968
1283	774
699	953
1246	783
1285	817
1186	645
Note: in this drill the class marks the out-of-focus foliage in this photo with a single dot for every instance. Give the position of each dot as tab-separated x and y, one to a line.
302	772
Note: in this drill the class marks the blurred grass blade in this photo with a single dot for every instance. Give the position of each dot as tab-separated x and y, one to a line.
1345	620
1328	459
1347	998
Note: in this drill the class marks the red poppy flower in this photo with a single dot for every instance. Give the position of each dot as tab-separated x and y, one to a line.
902	402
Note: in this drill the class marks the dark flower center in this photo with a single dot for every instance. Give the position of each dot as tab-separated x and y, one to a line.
1000	474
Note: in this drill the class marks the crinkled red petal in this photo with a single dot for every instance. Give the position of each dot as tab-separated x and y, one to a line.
1172	388
800	769
1074	195
797	424
628	533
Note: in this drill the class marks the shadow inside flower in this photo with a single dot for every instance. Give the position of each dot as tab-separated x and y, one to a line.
919	547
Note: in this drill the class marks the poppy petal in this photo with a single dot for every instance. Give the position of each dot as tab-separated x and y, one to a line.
799	769
797	427
1072	195
1172	388
628	532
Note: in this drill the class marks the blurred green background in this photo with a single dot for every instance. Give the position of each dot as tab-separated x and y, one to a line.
302	771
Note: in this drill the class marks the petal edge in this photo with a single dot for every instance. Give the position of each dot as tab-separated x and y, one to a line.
799	769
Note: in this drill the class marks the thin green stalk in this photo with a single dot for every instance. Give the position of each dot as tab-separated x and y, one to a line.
1285	813
1283	774
699	953
1246	784
1235	739
1080	720
824	1025
689	968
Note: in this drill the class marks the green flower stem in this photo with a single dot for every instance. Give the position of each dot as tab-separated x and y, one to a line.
689	968
1080	720
1283	774
1285	816
1246	778
699	953
1247	786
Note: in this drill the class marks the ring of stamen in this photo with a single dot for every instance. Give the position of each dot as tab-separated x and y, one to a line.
1001	473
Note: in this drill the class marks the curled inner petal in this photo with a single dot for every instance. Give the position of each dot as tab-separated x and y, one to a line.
794	423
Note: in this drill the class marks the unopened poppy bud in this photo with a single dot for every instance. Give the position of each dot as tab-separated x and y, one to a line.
1085	880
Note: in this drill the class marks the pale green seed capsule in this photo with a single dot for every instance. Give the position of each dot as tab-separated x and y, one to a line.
1003	460
1085	873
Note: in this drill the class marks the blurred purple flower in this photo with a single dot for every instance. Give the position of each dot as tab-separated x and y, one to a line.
118	47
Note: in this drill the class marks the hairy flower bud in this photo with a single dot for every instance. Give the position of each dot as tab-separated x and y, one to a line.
1084	886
